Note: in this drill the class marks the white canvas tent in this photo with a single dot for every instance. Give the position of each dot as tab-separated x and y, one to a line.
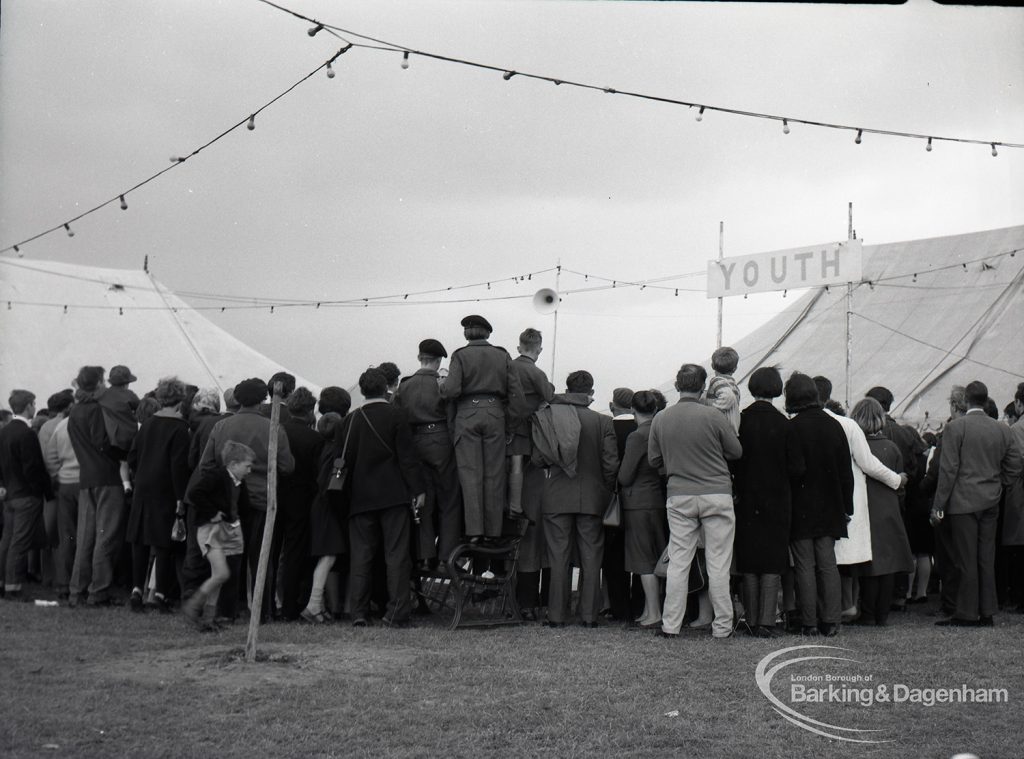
930	314
113	316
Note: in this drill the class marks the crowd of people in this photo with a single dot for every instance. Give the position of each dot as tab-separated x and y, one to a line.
696	513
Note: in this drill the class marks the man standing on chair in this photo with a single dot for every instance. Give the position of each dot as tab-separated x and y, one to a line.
486	392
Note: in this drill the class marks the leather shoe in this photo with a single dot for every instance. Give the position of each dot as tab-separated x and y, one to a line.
663	634
828	629
986	622
809	631
549	623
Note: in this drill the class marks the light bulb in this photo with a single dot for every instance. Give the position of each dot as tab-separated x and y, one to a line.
124	204
176	159
700	114
508	75
994	151
252	123
315	30
928	147
785	126
330	72
70	231
405	59
860	134
17	250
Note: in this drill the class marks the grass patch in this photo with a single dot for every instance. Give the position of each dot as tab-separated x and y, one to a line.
105	682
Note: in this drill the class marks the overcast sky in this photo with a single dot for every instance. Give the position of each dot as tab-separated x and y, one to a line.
383	180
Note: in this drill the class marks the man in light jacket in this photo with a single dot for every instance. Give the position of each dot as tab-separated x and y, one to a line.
979	458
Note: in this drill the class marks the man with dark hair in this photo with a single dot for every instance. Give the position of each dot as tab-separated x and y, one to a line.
392	374
250	428
334	399
384	480
101	495
287	388
23	475
295	494
526	481
62	466
57	406
419	396
487	395
979	458
577	446
616	579
694	443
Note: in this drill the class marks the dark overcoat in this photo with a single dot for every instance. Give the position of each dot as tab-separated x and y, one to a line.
823	495
159	459
772	460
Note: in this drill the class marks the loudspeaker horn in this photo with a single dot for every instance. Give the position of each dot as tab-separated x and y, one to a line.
545	300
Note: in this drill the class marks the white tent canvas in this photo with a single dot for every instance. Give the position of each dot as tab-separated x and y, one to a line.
929	314
113	316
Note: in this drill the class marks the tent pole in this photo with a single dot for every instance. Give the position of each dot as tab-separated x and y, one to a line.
849	315
554	336
721	247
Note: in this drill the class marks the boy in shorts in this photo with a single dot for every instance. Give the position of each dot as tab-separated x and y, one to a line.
218	496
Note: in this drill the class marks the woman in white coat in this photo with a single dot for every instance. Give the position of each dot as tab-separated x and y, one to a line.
856	547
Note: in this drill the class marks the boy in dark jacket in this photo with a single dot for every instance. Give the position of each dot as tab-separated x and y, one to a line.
218	496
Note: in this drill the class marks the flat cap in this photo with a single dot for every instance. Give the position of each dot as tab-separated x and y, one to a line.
475	320
431	347
120	375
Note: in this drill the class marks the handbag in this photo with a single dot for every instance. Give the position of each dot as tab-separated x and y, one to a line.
697	581
613	513
339	471
178	530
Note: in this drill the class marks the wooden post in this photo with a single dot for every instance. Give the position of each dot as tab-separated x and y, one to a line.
268	527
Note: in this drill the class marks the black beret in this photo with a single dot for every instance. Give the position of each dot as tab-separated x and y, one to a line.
475	320
250	392
431	347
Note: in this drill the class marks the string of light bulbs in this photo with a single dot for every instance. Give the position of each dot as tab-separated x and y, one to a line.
120	198
233	302
702	108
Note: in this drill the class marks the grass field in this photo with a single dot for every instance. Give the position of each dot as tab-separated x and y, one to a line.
105	682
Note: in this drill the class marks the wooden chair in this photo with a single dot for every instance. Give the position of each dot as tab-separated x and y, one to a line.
464	595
